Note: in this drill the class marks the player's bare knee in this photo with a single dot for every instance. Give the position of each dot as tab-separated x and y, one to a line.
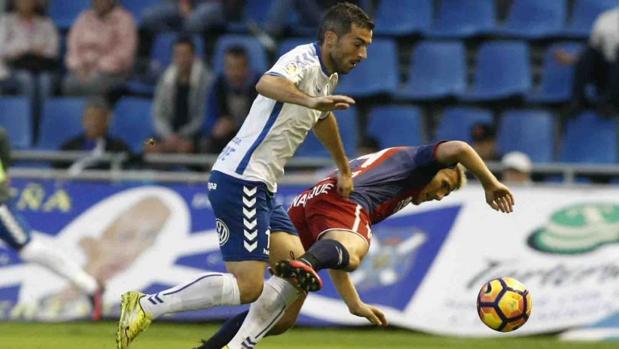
353	262
249	291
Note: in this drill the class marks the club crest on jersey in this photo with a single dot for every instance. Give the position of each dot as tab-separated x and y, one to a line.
222	231
292	68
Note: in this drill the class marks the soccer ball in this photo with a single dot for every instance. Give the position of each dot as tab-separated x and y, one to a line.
504	304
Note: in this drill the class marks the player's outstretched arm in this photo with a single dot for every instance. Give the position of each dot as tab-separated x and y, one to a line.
327	132
348	292
283	90
498	196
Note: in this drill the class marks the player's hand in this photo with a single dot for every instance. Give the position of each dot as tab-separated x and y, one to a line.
329	103
499	197
344	185
370	312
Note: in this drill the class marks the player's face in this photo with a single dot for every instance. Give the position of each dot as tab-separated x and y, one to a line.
350	49
443	183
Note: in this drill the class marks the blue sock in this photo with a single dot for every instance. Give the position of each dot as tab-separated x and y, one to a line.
225	334
326	254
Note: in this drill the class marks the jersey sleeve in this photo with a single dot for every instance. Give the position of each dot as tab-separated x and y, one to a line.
290	66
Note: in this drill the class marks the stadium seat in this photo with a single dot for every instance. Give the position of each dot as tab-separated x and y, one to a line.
16	119
61	120
529	131
535	19
502	71
257	53
556	81
437	70
133	122
348	125
137	7
456	122
161	52
584	14
464	19
590	138
64	13
376	75
403	17
395	126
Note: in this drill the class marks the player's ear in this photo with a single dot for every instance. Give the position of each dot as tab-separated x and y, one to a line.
330	38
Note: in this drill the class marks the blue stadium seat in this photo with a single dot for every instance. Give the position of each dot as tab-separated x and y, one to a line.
584	14
437	70
457	122
133	122
464	19
529	131
590	138
395	126
556	82
64	13
161	52
403	17
288	44
348	125
137	7
16	119
535	19
377	74
502	71
60	121
257	53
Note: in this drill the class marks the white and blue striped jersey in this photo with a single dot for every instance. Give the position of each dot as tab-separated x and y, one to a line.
273	131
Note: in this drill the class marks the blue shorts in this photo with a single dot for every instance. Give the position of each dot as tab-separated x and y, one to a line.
245	215
14	230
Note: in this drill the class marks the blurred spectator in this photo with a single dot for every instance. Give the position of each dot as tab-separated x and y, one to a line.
597	64
484	141
101	49
28	51
516	168
180	100
231	98
192	15
95	138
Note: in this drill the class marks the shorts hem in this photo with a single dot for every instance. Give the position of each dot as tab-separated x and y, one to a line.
367	241
245	258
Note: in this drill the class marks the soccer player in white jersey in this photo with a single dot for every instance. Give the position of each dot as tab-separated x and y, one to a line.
295	96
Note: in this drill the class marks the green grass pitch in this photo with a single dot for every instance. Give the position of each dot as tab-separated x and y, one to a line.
162	335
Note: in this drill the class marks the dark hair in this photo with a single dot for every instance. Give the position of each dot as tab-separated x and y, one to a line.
340	17
185	40
98	102
237	50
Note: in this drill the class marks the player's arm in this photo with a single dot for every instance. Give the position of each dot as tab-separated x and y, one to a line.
328	133
498	196
348	292
283	90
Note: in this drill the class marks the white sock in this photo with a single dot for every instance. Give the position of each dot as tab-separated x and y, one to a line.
38	252
209	290
264	312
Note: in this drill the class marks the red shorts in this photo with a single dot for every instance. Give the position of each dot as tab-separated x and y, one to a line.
321	209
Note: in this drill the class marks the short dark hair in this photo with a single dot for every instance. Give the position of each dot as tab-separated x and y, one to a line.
340	17
482	131
185	40
237	50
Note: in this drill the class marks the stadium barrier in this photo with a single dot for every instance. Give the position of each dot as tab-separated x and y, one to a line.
145	231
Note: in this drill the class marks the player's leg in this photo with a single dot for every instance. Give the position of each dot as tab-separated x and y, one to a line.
242	210
278	294
339	238
283	245
15	231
